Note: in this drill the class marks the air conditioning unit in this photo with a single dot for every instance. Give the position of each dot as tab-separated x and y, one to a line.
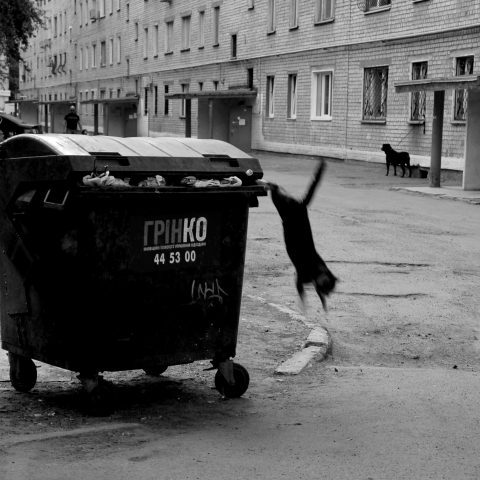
93	14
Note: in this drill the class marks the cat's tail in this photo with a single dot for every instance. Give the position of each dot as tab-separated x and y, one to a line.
314	183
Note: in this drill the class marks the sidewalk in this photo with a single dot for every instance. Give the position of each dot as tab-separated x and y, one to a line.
447	192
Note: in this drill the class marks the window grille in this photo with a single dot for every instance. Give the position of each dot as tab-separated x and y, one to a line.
464	67
375	86
418	103
372	4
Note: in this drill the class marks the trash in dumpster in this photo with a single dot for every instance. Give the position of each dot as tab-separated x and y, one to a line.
201	183
162	267
156	181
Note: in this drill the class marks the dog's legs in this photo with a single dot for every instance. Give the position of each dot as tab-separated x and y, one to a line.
395	169
403	171
388	168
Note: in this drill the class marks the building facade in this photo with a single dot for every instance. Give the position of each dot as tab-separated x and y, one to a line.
312	77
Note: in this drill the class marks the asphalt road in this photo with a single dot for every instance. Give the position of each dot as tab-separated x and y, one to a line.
396	399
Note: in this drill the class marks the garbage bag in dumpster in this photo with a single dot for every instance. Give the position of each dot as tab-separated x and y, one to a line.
120	277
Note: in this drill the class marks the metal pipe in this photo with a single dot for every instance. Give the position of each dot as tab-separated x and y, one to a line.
437	133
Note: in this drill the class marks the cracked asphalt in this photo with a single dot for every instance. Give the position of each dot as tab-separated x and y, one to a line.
397	397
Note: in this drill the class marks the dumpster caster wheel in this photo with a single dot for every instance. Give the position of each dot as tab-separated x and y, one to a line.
155	371
241	377
23	372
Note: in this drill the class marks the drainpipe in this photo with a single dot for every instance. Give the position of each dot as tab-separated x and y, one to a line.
437	133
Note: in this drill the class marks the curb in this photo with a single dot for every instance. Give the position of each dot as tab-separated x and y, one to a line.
316	347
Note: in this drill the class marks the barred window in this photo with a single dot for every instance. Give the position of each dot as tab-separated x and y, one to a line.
464	66
324	10
373	4
375	86
418	101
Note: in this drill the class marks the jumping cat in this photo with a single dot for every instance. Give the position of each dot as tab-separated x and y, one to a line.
309	266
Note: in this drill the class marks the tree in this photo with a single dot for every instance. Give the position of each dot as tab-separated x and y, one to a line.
19	20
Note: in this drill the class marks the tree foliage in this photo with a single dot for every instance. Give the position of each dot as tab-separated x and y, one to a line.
19	19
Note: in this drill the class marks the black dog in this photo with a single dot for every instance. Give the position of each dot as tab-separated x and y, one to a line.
395	158
309	266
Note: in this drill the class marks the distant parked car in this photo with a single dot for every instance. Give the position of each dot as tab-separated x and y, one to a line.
11	125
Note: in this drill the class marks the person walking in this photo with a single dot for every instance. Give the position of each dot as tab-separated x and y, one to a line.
72	121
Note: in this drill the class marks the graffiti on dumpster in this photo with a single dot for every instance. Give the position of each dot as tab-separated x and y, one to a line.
207	291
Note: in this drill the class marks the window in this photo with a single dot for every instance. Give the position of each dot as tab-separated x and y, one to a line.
250	4
55	26
101	8
373	4
201	29
136	31
292	96
250	77
86	58
322	86
271	16
375	86
155	40
293	23
94	55
324	10
200	86
186	21
169	37
166	103
270	96
103	53
184	102
110	51
145	42
216	25
418	99
128	12
80	60
119	48
233	41
464	66
110	7
145	105
155	100
117	4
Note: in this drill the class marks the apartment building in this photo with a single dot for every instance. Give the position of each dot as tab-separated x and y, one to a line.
304	76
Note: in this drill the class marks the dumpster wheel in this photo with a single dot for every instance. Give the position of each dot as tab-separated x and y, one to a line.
241	377
23	372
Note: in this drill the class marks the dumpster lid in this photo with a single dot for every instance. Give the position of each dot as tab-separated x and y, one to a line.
79	145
